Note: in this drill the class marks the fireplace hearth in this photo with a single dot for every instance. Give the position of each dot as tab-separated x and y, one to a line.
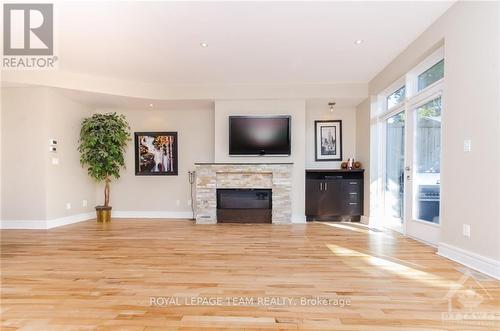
239	206
244	205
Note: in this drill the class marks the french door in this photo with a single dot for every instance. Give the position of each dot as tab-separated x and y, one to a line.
412	168
423	169
394	161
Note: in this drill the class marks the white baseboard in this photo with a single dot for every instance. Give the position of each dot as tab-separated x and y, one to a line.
70	220
298	219
472	260
365	220
45	224
152	214
23	225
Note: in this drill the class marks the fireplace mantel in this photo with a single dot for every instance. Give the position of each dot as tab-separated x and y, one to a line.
274	176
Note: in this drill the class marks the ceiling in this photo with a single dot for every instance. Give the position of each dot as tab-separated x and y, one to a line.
101	100
248	42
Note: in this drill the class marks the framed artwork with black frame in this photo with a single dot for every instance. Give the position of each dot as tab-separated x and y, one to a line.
328	140
156	153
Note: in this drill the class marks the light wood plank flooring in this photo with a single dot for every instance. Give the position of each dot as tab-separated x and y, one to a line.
89	276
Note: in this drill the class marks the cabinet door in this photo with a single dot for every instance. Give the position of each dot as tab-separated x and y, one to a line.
332	200
313	196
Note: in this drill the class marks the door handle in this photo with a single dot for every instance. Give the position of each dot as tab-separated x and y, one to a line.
407	168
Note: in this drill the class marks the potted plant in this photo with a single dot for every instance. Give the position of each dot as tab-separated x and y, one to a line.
103	139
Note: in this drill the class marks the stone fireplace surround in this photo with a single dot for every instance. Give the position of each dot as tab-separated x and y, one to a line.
274	176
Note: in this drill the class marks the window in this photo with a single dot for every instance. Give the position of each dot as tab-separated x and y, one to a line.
428	142
397	97
431	75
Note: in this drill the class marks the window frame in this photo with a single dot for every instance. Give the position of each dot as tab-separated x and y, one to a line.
413	98
412	76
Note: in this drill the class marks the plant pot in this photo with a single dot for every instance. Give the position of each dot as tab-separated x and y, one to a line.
103	214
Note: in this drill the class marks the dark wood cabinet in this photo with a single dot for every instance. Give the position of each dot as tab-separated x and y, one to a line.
334	195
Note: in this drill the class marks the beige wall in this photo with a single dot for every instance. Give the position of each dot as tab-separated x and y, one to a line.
363	148
24	153
162	195
66	182
295	108
33	188
320	111
470	32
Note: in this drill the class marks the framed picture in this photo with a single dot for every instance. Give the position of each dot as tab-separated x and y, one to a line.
155	153
328	140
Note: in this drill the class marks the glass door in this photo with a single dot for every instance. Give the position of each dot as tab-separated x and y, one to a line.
423	171
394	171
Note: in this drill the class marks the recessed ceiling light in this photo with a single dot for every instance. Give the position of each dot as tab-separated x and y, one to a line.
151	105
203	44
359	41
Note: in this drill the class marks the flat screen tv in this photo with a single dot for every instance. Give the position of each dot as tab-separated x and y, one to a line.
259	135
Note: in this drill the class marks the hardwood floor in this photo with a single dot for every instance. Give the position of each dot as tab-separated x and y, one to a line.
89	276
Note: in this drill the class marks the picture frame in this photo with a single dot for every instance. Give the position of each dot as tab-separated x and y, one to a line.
156	153
328	140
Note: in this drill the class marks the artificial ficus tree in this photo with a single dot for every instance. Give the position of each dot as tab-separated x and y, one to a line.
103	139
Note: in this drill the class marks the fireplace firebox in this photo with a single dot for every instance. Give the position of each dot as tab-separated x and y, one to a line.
244	205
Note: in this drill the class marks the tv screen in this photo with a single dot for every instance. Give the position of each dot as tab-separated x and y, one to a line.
249	135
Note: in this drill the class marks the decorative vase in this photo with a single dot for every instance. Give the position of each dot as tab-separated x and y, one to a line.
103	214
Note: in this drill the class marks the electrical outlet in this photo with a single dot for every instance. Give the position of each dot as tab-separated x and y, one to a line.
466	230
55	161
178	202
467	145
68	205
84	203
189	202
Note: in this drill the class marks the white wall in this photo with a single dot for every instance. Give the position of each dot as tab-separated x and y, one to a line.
32	187
470	185
294	108
321	111
165	196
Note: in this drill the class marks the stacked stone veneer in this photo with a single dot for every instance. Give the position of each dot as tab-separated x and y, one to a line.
210	177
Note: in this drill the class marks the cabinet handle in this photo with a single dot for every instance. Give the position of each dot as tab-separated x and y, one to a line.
353	193
353	183
326	186
321	186
353	203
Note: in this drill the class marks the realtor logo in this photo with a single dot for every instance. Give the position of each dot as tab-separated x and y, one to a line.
28	29
464	303
28	36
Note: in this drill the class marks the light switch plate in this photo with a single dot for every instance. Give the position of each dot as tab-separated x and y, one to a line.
84	203
467	145
68	206
466	230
